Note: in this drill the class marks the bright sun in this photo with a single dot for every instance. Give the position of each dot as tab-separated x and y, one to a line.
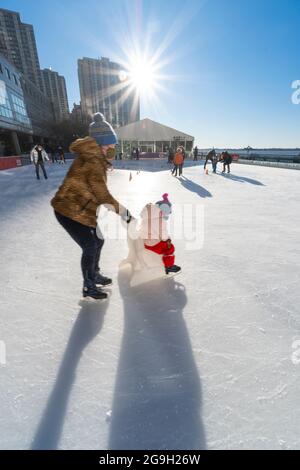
142	76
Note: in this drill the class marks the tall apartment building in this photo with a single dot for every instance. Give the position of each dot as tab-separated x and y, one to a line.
55	88
76	113
17	44
103	88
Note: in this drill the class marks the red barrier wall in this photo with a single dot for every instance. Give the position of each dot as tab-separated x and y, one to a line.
10	162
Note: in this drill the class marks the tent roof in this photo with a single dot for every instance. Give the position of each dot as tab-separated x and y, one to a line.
148	130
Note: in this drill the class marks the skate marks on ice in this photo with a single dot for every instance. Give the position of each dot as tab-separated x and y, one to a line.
157	396
87	326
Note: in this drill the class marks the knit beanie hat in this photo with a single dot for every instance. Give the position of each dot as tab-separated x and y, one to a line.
102	131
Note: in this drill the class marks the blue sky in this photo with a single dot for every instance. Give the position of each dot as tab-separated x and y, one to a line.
230	64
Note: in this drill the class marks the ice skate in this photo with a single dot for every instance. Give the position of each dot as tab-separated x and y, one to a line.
102	281
173	270
92	293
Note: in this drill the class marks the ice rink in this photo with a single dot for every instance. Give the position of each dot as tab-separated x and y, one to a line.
208	360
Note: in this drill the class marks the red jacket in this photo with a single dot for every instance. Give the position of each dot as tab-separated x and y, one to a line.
178	160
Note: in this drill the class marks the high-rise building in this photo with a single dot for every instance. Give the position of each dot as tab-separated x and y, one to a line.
17	44
104	87
76	113
55	88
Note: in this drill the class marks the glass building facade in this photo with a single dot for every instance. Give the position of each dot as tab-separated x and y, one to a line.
15	124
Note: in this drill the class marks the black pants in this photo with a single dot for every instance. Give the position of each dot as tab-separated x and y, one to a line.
91	246
228	167
176	169
37	170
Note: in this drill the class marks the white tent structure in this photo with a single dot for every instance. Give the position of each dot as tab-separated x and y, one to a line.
152	137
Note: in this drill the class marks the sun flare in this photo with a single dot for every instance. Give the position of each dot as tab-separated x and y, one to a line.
142	75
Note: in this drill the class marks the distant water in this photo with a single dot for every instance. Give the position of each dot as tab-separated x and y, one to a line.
276	153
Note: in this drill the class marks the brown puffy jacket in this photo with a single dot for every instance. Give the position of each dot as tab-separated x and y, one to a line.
84	188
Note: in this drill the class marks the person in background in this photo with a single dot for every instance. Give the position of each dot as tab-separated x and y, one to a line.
226	158
195	153
61	154
211	154
178	162
183	152
38	156
214	162
137	153
53	154
171	155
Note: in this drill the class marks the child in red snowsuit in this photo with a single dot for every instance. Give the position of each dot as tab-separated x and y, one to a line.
155	233
166	249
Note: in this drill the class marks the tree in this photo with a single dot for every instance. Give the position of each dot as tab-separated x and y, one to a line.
65	132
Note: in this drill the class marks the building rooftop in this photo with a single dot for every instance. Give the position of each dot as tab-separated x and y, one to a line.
148	130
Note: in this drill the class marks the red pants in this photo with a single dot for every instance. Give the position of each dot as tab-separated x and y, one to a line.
161	248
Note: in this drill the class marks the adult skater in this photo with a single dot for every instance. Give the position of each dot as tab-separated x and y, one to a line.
38	156
53	154
226	158
214	162
171	156
61	155
83	190
195	152
178	162
210	156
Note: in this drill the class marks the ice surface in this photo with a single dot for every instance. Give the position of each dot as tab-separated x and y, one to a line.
201	361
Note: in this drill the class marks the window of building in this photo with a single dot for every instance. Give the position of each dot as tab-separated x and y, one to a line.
20	109
5	108
16	80
1	69
8	73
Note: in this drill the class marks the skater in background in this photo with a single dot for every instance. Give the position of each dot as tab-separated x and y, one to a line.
183	152
61	155
178	162
171	156
53	154
84	189
210	156
195	152
226	158
214	162
38	156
